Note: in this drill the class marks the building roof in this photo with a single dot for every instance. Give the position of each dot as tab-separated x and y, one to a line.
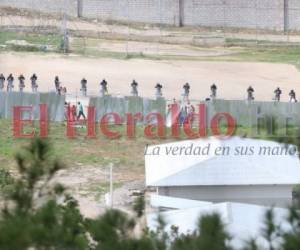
161	201
238	225
201	163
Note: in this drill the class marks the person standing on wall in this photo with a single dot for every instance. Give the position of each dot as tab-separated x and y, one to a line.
2	80
10	83
57	85
34	85
21	83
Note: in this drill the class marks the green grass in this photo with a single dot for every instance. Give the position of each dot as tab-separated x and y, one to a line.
80	150
99	151
92	52
284	55
242	50
30	38
287	55
127	155
36	42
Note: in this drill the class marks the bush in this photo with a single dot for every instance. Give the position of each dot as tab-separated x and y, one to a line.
33	219
5	178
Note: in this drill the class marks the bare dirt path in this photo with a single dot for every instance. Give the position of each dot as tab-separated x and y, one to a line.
89	184
10	17
232	78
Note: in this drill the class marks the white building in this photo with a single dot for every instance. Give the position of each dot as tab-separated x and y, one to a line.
234	177
230	170
242	221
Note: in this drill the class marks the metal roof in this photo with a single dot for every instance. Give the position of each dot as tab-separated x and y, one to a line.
201	163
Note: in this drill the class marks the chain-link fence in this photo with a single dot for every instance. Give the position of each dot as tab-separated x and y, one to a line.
118	27
244	21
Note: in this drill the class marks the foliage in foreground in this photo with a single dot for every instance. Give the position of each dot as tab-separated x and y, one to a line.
39	214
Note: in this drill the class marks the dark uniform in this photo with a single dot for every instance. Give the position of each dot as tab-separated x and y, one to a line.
250	92
2	80
34	85
134	90
186	88
277	94
213	89
10	83
57	85
292	95
103	90
21	82
158	90
83	86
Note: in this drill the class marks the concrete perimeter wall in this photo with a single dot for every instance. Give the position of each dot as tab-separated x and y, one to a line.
146	11
47	6
128	104
293	14
54	102
262	14
265	14
245	113
254	113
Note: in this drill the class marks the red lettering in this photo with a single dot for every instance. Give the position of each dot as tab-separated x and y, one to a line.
18	123
174	120
215	124
91	114
159	125
131	122
70	123
104	123
43	120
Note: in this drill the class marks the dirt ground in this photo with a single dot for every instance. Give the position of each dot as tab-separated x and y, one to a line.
90	186
11	17
89	183
232	78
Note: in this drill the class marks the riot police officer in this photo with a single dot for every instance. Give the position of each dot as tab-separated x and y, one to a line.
134	90
158	90
57	85
250	96
10	83
2	81
83	86
21	82
292	95
34	85
103	90
277	92
186	90
213	90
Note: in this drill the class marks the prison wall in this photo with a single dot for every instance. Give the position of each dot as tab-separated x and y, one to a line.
55	104
245	113
145	11
69	7
127	104
254	113
255	14
293	15
265	14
